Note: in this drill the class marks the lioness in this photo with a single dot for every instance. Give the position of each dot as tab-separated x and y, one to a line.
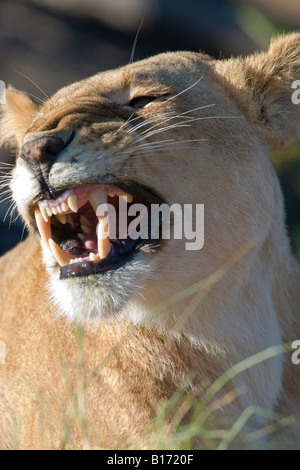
99	332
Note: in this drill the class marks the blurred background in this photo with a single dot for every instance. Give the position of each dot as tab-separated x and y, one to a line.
46	44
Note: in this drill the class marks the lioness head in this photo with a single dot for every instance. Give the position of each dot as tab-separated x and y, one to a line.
179	128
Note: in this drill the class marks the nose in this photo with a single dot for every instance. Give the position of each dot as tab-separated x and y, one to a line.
40	154
42	150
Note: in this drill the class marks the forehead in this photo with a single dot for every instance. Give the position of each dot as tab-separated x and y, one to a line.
165	73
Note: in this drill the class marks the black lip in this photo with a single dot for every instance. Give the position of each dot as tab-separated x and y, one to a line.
116	260
88	268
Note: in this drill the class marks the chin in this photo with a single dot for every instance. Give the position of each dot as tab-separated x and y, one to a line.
109	295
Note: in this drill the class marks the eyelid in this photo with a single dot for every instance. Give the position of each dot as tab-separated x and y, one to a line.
142	100
145	100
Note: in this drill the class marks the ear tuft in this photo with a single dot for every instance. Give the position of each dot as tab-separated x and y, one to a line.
16	117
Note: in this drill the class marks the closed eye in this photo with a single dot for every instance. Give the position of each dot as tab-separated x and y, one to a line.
141	102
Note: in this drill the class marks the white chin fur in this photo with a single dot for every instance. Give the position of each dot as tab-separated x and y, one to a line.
84	299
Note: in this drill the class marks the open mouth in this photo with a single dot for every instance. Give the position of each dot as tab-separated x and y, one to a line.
89	229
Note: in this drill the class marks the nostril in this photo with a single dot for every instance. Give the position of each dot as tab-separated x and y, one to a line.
53	146
43	149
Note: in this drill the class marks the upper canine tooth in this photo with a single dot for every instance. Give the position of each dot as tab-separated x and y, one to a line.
61	256
124	195
73	203
127	197
97	198
44	227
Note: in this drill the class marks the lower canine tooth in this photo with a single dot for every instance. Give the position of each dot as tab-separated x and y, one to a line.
61	256
104	245
45	217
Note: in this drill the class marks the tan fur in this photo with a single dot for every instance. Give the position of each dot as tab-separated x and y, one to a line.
130	361
18	117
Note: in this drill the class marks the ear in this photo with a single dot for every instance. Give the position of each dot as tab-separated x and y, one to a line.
16	117
265	89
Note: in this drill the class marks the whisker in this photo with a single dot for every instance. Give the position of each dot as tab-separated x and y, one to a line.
11	221
135	42
35	84
23	231
185	90
11	207
148	121
185	124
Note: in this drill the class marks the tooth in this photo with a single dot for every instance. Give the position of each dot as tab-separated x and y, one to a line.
54	210
69	219
44	227
49	212
61	256
81	237
97	198
73	203
127	197
44	215
62	218
86	230
111	194
85	221
93	257
65	207
104	245
59	209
